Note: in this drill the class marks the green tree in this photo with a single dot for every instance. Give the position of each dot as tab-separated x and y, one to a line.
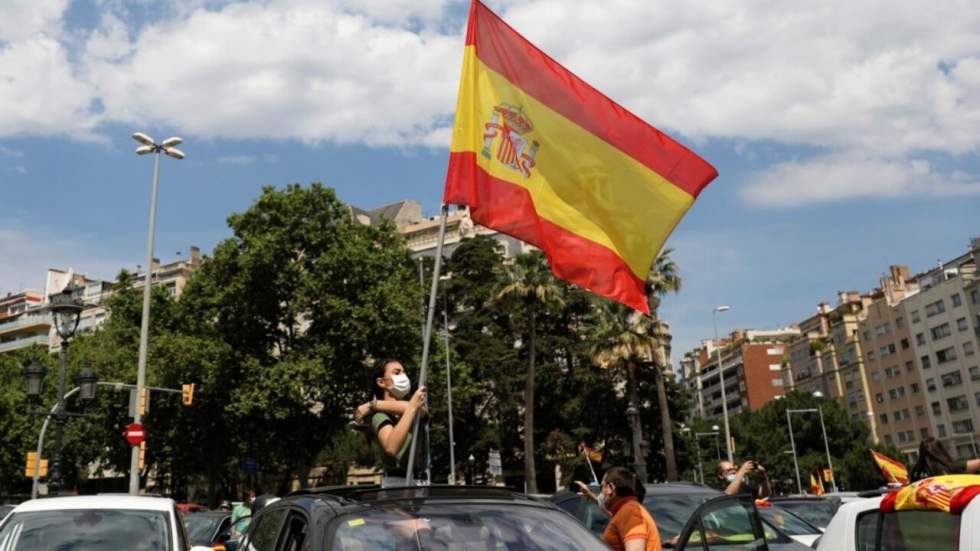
530	284
662	280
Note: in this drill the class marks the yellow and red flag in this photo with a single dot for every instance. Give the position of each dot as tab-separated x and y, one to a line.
541	155
949	493
816	483
894	471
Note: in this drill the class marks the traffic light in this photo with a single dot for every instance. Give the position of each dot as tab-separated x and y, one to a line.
31	461
142	454
144	400
187	394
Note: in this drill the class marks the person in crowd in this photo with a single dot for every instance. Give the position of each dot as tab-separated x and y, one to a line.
225	506
245	509
934	460
392	417
737	481
631	527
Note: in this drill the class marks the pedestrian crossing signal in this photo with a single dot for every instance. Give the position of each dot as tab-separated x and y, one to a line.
187	394
142	455
144	400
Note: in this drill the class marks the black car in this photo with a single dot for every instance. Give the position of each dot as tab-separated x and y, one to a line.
208	527
423	518
672	506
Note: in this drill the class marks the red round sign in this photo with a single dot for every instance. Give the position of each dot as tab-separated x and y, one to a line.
135	435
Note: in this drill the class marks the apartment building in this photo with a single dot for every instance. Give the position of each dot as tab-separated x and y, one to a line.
751	366
22	324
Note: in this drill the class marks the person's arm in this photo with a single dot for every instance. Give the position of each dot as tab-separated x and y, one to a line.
972	466
392	438
585	491
765	489
636	544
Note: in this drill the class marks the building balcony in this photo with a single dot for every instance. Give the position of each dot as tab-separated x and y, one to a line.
25	322
23	343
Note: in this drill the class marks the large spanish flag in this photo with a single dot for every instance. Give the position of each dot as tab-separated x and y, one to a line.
894	471
541	155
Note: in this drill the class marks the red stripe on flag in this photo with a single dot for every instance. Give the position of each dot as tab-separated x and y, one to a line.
505	51
509	209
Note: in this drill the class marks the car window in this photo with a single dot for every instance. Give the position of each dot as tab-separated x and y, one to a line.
919	531
724	523
866	531
787	522
264	530
671	512
816	512
200	528
295	535
87	529
469	527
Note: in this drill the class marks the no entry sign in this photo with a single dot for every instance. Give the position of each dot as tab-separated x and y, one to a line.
135	434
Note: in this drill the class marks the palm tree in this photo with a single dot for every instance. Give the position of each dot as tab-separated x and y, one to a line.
627	337
529	282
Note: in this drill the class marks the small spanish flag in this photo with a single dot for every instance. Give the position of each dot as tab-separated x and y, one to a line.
894	471
816	483
539	154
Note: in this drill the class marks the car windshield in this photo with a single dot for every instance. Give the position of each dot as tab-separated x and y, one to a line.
86	530
815	511
787	522
671	512
200	528
474	527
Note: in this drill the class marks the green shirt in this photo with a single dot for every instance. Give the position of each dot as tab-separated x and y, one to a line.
397	465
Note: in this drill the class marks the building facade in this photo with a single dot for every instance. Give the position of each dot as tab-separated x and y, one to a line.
22	324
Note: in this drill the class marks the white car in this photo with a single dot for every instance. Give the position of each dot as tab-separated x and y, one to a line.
863	526
104	522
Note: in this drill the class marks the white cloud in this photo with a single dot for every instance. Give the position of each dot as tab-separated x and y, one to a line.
24	268
20	169
247	159
840	177
8	152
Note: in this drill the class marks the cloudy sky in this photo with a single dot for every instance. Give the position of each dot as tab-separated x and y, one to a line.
846	133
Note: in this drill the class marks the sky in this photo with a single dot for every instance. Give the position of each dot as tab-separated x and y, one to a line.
845	133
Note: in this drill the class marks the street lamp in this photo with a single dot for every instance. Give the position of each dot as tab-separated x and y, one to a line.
86	381
721	379
169	148
826	445
66	309
34	376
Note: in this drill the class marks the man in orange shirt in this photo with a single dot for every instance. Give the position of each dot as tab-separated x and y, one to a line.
631	528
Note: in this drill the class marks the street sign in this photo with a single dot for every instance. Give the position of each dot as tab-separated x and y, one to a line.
250	465
135	434
496	467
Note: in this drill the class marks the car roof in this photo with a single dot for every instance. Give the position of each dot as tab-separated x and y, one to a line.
344	497
674	488
121	501
208	514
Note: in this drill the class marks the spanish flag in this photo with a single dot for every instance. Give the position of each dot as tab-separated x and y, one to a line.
894	471
816	482
539	154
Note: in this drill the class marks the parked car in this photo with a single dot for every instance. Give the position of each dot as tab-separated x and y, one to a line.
209	528
5	510
816	510
672	506
433	517
95	523
871	524
790	524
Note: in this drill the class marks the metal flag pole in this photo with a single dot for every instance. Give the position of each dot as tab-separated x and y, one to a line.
449	394
425	337
591	468
434	288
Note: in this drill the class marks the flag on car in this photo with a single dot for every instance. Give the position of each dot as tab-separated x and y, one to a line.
894	471
816	482
539	154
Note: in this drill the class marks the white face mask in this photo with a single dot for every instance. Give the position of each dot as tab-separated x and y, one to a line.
400	385
601	499
730	477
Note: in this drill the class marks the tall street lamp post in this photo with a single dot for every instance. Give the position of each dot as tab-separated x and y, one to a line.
169	148
66	309
826	445
721	379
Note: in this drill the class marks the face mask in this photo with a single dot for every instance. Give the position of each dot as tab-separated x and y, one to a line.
730	477
400	385
601	501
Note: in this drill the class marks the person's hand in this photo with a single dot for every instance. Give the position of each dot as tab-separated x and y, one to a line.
585	490
761	470
746	468
418	399
362	411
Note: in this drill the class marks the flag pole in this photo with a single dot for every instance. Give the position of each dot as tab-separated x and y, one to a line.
410	471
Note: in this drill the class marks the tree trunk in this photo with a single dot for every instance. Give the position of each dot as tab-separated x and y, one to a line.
633	412
666	425
530	477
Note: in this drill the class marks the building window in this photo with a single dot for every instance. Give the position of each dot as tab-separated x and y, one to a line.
900	322
777	382
920	411
941	430
953	378
879	397
926	363
941	331
915	316
935	308
958	403
884	418
975	296
920	339
902	438
976	396
974	373
876	376
892	371
915	388
946	355
963	427
936	409
962	325
888	439
924	433
871	357
909	366
867	335
957	301
931	385
968	349
905	344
